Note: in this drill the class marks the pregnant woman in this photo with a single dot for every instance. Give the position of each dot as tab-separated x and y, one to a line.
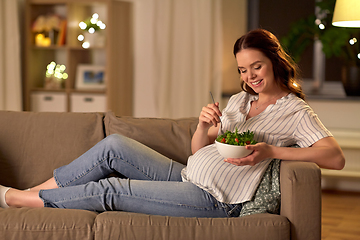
272	106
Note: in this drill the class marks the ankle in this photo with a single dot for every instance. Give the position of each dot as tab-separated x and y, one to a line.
7	197
11	197
23	198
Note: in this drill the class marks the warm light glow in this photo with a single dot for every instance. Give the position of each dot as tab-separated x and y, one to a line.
40	36
82	25
62	68
95	16
346	13
86	45
42	41
352	24
103	26
81	37
353	41
51	65
295	85
91	30
56	70
93	20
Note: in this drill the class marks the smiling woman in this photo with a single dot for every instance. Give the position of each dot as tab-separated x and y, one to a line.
269	52
209	185
272	105
256	70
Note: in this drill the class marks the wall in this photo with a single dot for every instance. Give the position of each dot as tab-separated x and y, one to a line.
234	24
342	117
277	17
234	17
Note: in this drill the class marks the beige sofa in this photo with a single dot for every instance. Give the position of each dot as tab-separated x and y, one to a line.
33	144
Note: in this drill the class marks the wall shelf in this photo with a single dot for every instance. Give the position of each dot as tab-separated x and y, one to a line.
116	55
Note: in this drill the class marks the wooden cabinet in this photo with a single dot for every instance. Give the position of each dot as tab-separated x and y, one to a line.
113	52
85	102
48	102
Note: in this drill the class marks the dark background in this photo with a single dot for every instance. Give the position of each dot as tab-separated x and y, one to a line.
277	17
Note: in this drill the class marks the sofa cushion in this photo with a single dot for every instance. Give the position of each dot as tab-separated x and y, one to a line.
32	145
46	223
170	137
123	225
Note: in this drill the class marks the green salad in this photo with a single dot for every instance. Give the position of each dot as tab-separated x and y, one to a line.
238	139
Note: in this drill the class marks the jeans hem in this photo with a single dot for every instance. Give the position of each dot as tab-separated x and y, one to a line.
56	179
46	203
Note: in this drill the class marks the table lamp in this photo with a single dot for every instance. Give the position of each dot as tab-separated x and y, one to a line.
346	13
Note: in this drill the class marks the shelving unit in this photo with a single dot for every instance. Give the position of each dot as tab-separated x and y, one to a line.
116	56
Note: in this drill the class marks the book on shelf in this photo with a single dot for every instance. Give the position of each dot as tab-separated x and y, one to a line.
62	33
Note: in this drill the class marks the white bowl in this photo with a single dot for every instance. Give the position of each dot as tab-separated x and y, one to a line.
231	151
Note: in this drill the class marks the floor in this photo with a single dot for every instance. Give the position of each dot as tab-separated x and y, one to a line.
340	215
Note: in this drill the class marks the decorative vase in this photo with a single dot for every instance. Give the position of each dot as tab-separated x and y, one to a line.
350	78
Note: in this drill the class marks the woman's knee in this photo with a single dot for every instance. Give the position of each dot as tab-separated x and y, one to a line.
114	139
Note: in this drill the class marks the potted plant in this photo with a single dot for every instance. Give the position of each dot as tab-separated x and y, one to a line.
336	41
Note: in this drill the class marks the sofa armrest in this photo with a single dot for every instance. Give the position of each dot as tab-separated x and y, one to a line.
300	184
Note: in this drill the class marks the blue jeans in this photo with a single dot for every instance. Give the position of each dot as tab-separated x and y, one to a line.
153	183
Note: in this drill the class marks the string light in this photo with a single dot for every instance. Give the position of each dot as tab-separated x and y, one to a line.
320	25
56	70
101	25
353	41
91	26
86	45
83	25
91	30
95	16
81	37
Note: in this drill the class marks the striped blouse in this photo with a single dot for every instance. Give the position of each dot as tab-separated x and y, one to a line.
287	122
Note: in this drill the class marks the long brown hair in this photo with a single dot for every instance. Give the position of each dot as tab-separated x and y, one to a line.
285	69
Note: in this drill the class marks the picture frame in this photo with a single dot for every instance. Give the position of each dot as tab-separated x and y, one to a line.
90	77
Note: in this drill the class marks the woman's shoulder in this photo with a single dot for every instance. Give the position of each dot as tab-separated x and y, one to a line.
293	103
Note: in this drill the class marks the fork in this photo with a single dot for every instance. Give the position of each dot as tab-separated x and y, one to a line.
212	97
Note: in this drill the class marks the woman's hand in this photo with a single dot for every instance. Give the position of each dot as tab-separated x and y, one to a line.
261	151
207	128
326	153
209	116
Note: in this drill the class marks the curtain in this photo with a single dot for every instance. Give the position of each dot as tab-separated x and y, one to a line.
178	56
10	63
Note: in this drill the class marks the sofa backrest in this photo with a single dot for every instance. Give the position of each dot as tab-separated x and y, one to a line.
32	145
170	137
